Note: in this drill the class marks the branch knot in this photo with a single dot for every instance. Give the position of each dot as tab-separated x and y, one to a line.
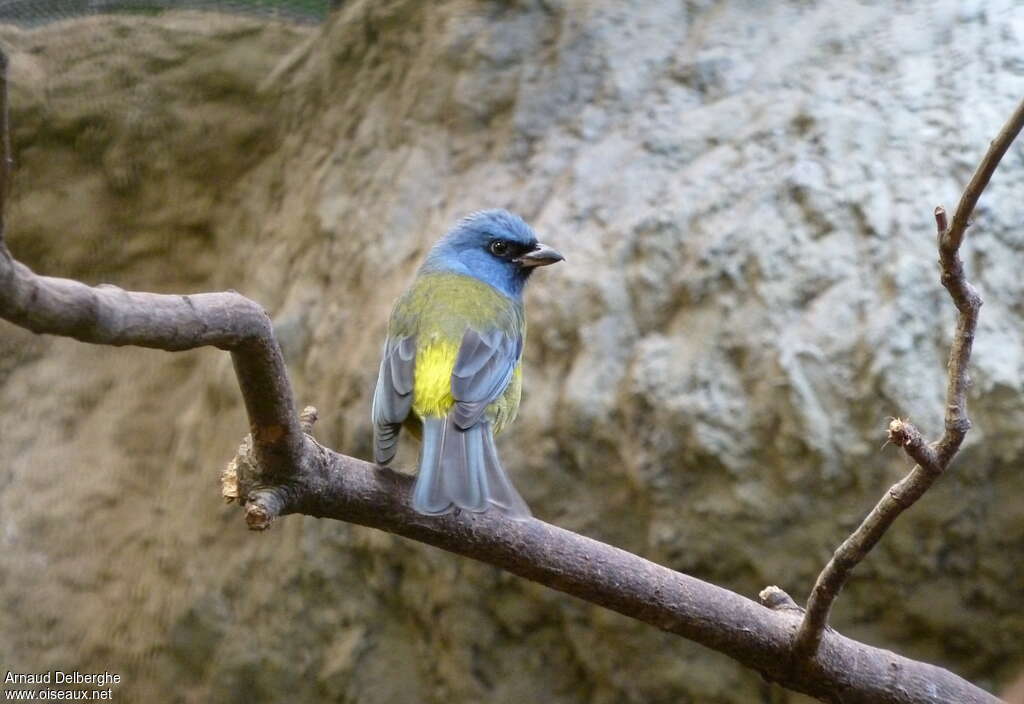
776	599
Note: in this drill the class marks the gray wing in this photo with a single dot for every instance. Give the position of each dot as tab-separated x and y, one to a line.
482	370
392	399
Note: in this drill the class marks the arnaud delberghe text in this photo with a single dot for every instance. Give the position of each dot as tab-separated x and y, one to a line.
97	679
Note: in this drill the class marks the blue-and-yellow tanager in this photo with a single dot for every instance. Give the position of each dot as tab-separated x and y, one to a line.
450	372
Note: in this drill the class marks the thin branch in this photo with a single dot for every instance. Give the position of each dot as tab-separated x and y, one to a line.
931	462
967	302
903	433
852	551
961	219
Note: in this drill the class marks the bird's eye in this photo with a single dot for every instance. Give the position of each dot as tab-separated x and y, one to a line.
499	248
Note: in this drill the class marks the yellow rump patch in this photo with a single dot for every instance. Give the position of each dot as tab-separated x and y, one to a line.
432	390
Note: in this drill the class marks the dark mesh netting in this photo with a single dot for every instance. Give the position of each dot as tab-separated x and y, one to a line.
30	13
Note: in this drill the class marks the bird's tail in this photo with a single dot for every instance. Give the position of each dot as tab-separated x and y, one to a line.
460	469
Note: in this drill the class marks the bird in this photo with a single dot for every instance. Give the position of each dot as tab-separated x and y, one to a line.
450	370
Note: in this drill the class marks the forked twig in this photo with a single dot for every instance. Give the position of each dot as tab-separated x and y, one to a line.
931	460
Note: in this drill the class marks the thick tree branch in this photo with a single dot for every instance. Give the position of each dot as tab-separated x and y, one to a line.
281	470
107	315
931	461
347	489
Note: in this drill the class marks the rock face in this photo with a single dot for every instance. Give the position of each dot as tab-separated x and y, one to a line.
743	192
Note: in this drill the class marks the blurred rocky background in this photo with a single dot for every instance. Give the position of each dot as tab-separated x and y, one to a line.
743	191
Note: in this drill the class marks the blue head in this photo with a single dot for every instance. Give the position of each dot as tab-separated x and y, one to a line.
493	246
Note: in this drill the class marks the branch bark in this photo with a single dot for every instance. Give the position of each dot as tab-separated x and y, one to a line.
931	460
108	315
281	470
759	636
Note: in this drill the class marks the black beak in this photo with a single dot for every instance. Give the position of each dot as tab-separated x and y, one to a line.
541	255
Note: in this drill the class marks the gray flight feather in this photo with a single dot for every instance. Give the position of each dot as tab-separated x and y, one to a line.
460	469
392	399
482	371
